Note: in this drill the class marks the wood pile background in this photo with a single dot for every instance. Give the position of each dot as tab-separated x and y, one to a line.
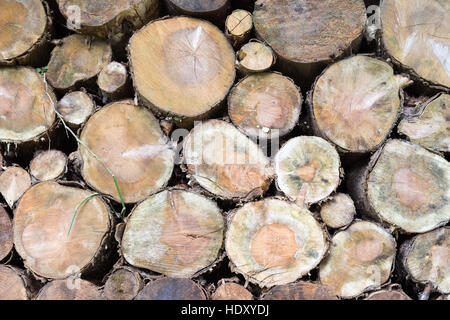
268	149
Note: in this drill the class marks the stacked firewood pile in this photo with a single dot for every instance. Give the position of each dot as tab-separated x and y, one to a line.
193	149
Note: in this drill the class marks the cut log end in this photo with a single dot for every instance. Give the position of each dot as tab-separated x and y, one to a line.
23	24
426	259
307	169
123	284
112	81
182	235
409	187
415	34
338	212
274	242
300	291
6	235
12	284
356	103
78	58
431	127
231	291
265	105
213	10
75	108
172	289
225	162
360	259
41	230
254	57
14	181
26	105
70	289
130	142
48	165
182	67
388	294
238	26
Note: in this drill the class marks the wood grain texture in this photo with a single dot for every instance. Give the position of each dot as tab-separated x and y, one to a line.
172	289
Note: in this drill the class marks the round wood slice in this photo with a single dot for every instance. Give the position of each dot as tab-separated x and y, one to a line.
307	169
108	19
388	294
431	127
172	289
214	10
225	162
77	59
41	223
306	34
238	26
69	289
48	165
339	211
176	233
182	67
113	80
14	181
415	35
404	185
356	102
123	284
273	242
129	141
26	105
360	259
300	291
6	234
12	284
265	105
426	258
75	108
254	57
23	31
231	291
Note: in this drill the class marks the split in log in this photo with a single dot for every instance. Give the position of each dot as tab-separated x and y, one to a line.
225	162
75	108
182	67
176	233
238	27
425	258
124	283
213	10
69	289
13	284
254	57
77	59
41	223
107	19
338	212
415	35
14	181
26	108
129	141
113	82
273	242
24	32
6	235
308	34
430	127
265	105
404	185
393	292
49	165
361	259
356	102
300	291
307	169
231	291
172	289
